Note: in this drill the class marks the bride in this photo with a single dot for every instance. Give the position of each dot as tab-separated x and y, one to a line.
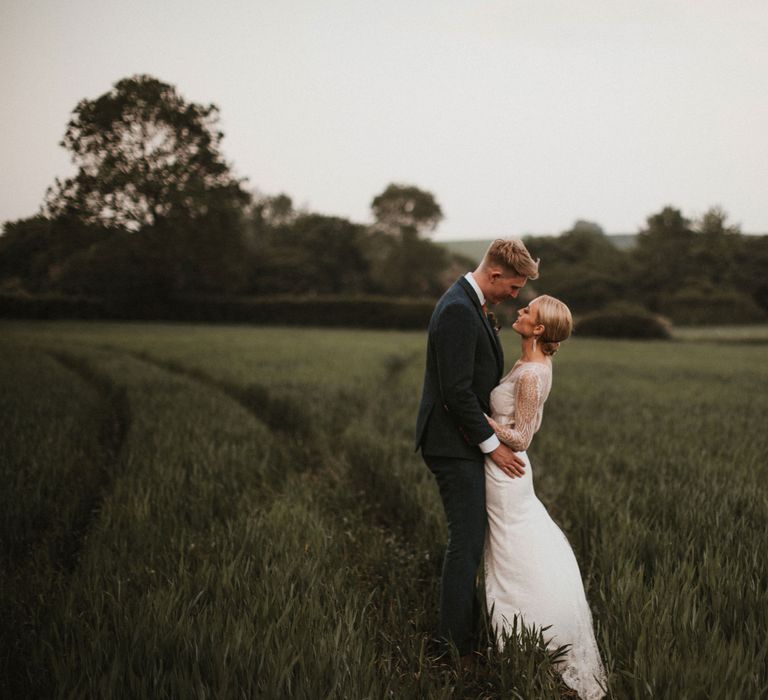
530	570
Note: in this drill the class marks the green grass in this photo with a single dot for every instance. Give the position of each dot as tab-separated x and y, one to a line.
753	333
196	511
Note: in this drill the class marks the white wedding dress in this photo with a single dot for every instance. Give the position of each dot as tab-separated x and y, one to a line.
530	569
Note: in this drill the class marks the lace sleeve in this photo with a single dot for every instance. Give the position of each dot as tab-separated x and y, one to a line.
527	398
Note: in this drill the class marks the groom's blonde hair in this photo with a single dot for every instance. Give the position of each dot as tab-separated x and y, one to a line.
512	255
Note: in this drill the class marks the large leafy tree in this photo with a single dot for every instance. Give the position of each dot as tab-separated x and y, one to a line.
145	156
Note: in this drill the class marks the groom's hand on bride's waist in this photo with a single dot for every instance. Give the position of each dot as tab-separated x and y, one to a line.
507	460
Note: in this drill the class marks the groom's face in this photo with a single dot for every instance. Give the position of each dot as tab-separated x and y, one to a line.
505	286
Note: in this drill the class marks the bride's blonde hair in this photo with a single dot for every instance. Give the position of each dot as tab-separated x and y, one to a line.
557	321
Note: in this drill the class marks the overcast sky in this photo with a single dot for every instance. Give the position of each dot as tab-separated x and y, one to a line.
521	116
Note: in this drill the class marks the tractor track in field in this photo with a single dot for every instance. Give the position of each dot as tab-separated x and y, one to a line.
114	425
280	414
305	442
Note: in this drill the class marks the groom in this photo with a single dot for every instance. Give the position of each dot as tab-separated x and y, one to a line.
464	363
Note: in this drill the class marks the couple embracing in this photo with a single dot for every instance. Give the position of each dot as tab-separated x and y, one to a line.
474	425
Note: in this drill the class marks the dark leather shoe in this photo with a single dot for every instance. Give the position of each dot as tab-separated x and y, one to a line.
467	662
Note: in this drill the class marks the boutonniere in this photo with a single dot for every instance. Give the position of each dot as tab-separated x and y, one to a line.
494	322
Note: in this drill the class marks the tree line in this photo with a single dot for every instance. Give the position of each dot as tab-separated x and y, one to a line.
155	212
693	271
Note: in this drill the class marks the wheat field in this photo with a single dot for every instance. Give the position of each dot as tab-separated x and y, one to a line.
237	512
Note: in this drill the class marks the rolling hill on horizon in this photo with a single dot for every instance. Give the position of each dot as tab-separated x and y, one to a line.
475	248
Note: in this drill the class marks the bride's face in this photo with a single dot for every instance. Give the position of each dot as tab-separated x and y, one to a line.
527	320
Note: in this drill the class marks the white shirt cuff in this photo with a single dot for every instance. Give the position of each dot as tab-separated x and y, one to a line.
489	445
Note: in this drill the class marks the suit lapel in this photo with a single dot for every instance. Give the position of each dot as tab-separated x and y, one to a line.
467	287
499	352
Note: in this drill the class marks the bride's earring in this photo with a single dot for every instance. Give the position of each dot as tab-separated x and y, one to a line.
534	343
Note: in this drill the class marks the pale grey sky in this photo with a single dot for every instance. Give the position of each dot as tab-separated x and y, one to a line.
521	116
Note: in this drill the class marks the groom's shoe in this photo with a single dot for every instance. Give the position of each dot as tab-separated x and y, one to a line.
469	662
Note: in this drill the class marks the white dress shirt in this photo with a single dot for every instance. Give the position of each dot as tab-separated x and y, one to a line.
471	279
489	445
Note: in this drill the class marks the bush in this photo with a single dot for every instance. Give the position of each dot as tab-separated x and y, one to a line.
709	305
584	290
50	306
33	250
338	311
122	265
623	321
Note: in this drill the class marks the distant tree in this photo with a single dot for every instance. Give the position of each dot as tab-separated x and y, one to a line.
144	155
663	256
312	254
713	223
406	265
271	211
122	264
33	250
402	208
581	266
716	247
751	273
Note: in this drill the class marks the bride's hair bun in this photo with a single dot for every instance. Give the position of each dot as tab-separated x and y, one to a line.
549	348
557	321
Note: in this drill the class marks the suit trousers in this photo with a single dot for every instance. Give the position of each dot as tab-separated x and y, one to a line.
461	484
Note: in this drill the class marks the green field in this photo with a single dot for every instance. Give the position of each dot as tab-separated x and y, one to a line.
237	512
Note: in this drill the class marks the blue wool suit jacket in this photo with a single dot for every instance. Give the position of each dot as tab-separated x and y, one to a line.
464	363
